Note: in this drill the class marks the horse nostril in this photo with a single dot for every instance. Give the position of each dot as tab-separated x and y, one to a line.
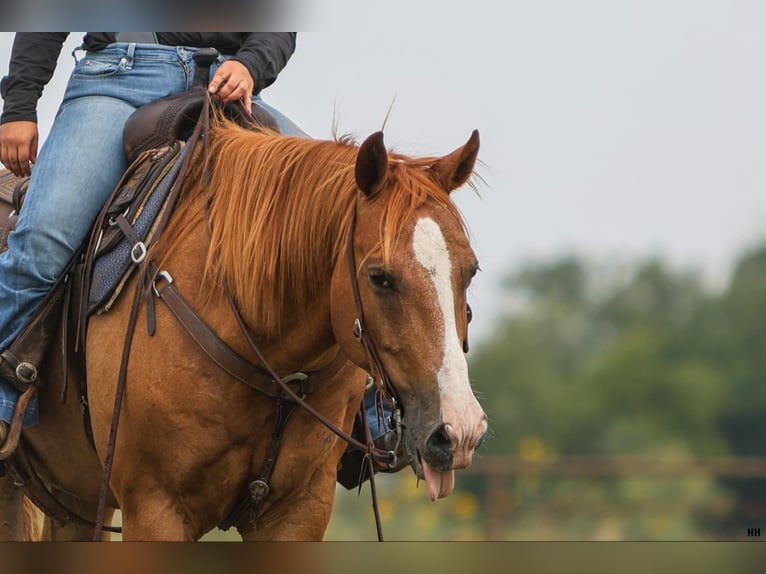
439	447
480	441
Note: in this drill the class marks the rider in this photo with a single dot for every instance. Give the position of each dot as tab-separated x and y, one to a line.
83	158
118	73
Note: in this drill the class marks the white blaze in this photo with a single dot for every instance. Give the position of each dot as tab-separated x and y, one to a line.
454	389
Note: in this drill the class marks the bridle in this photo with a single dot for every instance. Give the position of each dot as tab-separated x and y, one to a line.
362	335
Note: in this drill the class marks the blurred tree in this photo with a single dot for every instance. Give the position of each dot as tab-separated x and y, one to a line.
598	372
733	335
603	361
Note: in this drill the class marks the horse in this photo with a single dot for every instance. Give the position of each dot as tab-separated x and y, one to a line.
295	252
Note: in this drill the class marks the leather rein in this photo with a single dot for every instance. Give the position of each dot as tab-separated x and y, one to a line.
290	391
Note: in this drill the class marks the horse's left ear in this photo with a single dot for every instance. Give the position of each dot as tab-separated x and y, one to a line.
372	165
453	170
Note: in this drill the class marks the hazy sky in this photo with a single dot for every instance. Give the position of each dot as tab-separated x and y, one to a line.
614	129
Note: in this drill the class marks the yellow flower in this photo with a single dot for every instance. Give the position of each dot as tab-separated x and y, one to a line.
426	517
386	507
532	448
464	505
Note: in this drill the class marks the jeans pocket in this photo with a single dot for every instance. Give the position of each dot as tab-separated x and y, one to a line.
97	68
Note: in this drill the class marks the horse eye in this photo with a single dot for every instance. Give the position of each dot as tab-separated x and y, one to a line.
469	312
380	279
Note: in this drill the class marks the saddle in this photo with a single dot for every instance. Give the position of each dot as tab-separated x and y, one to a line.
165	121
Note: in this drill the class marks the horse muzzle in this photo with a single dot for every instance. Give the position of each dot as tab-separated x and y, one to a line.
445	449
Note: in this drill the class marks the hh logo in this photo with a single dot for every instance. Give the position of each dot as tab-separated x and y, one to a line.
753	531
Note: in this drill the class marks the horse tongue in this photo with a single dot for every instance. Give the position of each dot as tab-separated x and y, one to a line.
440	484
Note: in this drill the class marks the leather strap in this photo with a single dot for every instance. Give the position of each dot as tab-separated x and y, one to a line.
377	454
14	429
259	488
143	265
24	473
228	359
383	381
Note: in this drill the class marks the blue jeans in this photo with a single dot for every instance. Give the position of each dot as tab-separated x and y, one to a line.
77	169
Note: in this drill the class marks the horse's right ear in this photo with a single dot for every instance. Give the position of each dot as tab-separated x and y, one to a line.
372	165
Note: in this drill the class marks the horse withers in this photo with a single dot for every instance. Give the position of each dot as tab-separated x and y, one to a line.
322	246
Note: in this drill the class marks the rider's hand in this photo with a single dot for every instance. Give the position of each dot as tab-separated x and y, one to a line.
18	146
232	81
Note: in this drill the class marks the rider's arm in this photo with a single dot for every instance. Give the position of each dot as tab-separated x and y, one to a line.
264	54
33	60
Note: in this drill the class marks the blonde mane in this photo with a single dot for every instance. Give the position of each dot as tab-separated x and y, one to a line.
279	209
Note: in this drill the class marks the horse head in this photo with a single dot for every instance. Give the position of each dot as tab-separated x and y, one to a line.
413	265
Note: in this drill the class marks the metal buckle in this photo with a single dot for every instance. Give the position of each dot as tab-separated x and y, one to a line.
112	220
161	275
358	329
138	252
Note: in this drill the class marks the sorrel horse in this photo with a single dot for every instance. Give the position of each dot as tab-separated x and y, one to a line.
267	218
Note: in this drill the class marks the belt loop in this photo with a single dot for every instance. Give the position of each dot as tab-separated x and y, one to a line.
129	56
81	47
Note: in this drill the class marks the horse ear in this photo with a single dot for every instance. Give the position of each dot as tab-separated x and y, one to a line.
372	165
453	170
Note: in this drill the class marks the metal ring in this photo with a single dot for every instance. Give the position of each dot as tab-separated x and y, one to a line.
259	489
392	460
26	373
295	377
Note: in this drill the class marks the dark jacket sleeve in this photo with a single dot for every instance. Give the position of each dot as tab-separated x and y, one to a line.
265	54
33	60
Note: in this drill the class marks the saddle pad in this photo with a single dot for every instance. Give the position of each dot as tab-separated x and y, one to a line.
113	268
8	185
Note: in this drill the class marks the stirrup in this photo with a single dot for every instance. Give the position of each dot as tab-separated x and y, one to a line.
14	429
